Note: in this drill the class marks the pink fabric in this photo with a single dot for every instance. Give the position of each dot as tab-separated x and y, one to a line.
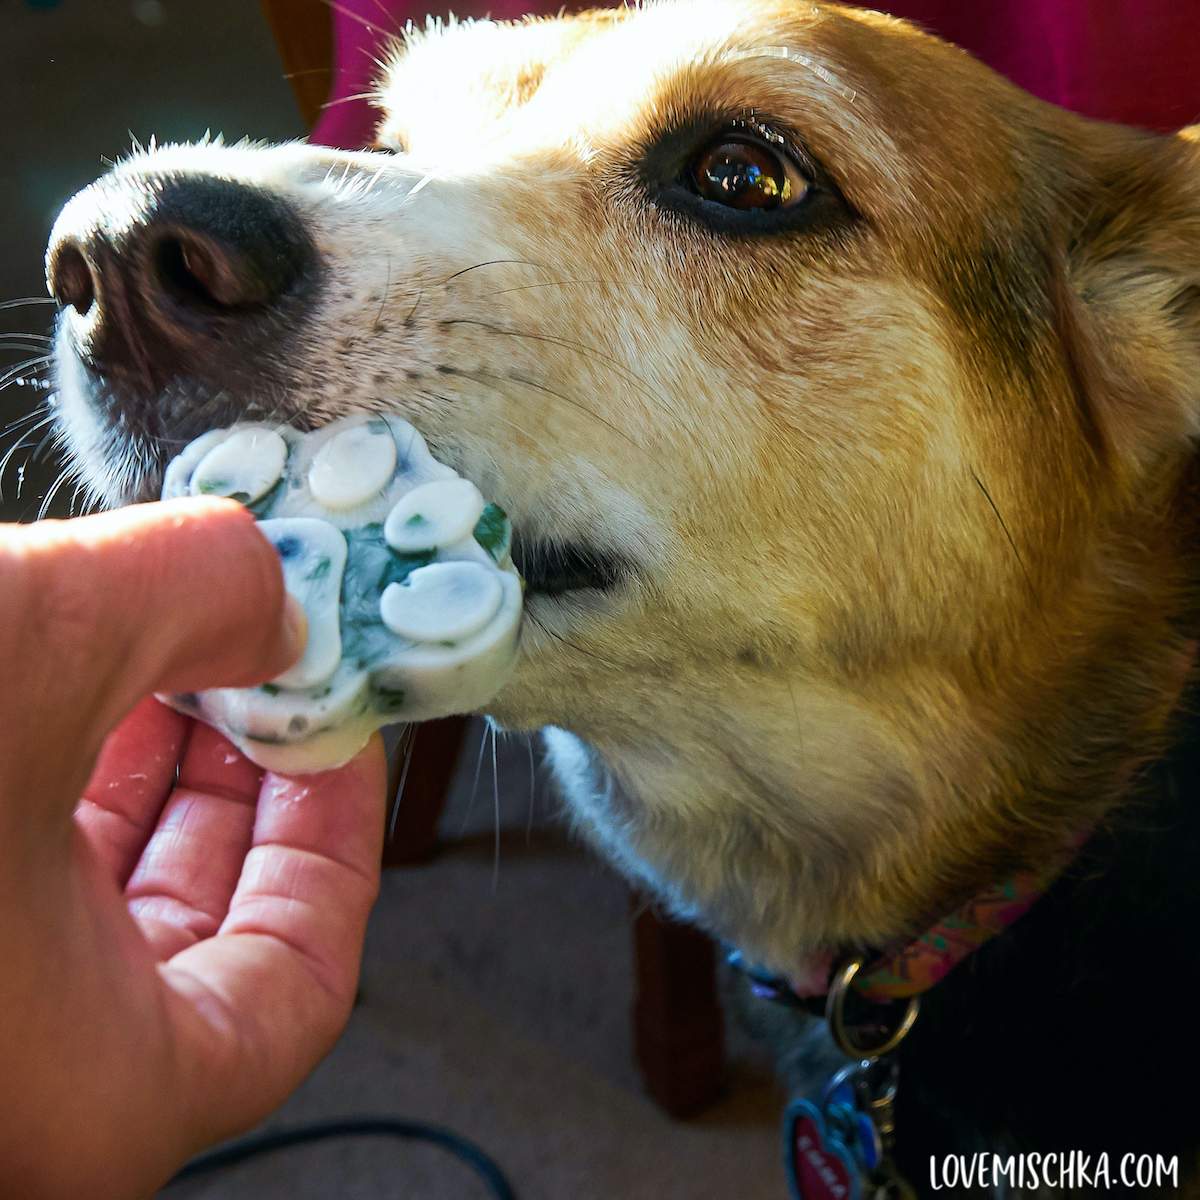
361	31
1136	61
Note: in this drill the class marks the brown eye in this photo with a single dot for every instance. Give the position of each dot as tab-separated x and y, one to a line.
744	174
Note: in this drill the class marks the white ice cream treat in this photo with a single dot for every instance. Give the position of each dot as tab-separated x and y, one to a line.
401	567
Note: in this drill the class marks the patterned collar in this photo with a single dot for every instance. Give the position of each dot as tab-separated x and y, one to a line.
908	969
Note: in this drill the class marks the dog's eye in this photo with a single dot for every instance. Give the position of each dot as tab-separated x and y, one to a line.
738	176
745	174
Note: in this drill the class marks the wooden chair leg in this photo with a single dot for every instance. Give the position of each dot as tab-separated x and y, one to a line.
303	32
426	782
679	1035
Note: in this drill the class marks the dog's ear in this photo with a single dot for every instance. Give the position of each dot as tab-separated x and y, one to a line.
1132	307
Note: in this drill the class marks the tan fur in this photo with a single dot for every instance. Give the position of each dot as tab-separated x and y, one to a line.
911	501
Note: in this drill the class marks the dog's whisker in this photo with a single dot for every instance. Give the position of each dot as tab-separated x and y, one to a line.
504	418
51	439
493	262
33	365
412	312
23	300
79	487
350	14
532	789
486	377
408	741
525	287
27	346
7	459
66	474
330	70
387	288
33	381
278	414
346	100
17	422
558	637
475	783
1007	534
375	179
416	188
17	445
662	403
495	812
47	419
799	726
390	17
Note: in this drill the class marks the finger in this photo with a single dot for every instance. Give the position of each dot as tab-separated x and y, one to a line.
133	776
260	1004
176	596
180	889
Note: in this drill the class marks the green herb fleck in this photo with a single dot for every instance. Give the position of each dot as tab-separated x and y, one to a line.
399	567
390	698
263	504
491	531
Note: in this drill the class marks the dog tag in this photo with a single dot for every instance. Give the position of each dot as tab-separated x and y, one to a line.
840	1146
818	1163
855	1128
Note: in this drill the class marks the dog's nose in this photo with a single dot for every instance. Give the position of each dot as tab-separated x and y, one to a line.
154	271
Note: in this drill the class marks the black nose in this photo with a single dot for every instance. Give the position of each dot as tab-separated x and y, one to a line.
155	271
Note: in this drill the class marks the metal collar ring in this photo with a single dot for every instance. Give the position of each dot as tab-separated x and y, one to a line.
835	1014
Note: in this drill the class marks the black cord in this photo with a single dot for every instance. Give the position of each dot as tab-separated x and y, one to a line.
278	1139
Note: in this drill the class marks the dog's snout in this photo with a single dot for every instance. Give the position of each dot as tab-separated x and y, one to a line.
71	280
187	262
202	272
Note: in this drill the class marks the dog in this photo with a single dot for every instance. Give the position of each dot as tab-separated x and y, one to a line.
844	399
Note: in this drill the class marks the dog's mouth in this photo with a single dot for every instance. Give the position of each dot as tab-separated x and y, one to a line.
554	568
549	566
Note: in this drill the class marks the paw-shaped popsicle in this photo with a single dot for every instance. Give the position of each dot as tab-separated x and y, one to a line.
402	568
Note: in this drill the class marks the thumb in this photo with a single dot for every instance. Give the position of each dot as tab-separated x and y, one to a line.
175	596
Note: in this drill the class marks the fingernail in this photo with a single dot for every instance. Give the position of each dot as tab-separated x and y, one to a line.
295	628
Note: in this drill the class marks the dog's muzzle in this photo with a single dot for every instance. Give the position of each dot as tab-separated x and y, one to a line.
179	293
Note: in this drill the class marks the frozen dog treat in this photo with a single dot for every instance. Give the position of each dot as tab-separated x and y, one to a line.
401	566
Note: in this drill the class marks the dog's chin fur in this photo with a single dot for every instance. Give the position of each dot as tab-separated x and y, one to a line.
904	495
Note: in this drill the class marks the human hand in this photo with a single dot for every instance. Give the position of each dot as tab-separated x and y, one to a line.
180	934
